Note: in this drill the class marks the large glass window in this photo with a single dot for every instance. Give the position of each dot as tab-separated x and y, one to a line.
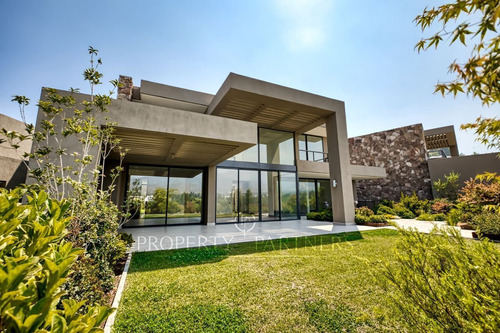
249	155
269	186
162	195
314	195
288	189
307	196
311	148
276	147
249	195
227	195
184	196
324	194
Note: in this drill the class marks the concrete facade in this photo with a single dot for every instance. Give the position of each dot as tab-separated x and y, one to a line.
467	166
12	168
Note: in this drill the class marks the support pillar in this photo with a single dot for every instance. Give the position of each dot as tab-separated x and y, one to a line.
211	195
340	173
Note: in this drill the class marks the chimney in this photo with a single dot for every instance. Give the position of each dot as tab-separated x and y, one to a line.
125	88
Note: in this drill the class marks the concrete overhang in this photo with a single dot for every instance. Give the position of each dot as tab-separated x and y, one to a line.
160	135
270	105
359	172
320	170
174	97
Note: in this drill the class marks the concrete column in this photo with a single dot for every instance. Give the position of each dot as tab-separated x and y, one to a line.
211	195
339	164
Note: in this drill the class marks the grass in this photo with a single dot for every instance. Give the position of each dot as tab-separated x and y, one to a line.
309	284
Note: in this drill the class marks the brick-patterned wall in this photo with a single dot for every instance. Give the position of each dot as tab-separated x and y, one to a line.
401	151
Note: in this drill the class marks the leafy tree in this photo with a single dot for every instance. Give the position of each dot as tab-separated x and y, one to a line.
473	22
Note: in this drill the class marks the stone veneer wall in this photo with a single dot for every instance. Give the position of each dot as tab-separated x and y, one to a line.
401	151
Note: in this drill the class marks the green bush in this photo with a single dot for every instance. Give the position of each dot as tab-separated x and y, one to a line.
378	219
361	219
403	212
448	188
487	223
432	217
365	211
35	261
325	215
414	204
382	209
441	282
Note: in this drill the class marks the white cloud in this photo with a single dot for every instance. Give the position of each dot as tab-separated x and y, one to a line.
305	22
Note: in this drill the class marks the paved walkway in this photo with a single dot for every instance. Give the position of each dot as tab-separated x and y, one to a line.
178	237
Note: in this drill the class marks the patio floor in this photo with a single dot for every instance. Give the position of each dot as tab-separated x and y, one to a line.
184	236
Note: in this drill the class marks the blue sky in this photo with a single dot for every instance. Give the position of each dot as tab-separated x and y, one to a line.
360	52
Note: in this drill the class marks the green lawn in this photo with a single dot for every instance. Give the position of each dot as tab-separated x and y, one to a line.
308	284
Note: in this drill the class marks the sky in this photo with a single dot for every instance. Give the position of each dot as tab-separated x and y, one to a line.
360	52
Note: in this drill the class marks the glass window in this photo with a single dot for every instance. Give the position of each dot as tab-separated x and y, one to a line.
184	196
307	196
249	155
148	190
288	187
324	194
249	195
269	187
276	147
227	195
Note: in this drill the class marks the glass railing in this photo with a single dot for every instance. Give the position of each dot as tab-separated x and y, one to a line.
314	156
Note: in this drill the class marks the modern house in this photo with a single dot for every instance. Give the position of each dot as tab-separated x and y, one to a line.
254	151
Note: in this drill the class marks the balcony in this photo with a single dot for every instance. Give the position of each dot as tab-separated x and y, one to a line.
313	156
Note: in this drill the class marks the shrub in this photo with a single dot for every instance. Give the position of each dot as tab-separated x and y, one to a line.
443	283
448	188
35	261
487	223
414	204
361	219
457	215
364	211
378	219
325	215
478	194
403	212
382	209
432	217
441	206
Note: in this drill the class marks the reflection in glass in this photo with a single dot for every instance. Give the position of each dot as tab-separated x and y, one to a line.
148	190
249	155
324	194
184	196
307	196
269	186
315	143
276	147
288	187
227	192
249	195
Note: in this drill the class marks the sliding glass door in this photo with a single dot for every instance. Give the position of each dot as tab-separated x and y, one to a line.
253	195
163	195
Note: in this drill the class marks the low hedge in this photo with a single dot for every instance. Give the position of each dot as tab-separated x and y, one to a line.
362	219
